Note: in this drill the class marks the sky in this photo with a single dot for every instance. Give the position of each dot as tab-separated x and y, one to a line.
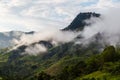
38	15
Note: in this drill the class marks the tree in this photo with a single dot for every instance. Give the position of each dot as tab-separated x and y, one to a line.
43	76
109	54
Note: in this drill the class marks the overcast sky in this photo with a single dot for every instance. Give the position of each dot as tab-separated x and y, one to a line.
36	15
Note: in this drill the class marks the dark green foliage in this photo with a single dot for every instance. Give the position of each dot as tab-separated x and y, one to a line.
113	68
43	76
98	62
94	63
74	61
109	54
71	72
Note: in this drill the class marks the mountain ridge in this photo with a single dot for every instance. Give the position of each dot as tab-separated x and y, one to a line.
79	23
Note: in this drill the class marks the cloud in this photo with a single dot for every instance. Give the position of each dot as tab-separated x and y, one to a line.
54	36
40	14
35	50
108	25
104	3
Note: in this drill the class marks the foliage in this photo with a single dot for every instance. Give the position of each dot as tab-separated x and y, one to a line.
43	76
65	62
109	54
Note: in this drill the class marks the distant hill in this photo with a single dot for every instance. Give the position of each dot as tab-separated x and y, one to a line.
6	38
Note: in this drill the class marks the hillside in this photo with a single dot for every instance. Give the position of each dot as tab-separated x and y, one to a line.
65	61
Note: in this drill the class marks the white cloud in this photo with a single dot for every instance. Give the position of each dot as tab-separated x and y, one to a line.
104	3
108	25
35	50
39	14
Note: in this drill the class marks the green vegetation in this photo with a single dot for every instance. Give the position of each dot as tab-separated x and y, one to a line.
98	75
104	66
65	62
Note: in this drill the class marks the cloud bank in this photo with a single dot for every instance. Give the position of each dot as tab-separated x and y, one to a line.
108	26
54	36
27	15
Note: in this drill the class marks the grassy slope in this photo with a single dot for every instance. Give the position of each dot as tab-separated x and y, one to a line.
100	76
60	65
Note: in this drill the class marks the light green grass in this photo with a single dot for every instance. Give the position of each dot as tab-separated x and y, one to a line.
4	57
1	78
98	75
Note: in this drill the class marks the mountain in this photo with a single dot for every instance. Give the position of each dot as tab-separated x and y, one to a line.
66	61
7	37
79	22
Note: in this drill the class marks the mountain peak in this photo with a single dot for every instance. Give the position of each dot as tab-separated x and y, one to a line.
78	23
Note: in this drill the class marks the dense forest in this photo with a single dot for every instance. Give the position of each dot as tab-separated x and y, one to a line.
100	66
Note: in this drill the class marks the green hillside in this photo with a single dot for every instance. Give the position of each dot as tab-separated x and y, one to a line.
67	61
98	75
64	62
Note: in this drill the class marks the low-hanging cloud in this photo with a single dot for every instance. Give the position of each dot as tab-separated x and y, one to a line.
108	25
54	36
35	50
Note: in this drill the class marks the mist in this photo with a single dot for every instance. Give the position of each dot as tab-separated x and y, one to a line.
53	35
107	25
35	50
